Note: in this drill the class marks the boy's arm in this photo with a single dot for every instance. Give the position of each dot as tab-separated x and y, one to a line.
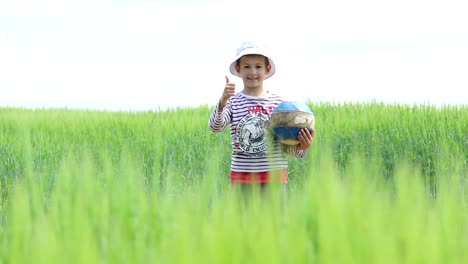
294	151
220	117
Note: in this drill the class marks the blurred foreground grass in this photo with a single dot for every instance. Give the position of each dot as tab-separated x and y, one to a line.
380	184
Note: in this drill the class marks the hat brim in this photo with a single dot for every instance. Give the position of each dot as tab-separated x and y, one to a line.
232	67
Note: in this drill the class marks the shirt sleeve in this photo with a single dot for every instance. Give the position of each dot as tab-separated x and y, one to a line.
219	118
293	151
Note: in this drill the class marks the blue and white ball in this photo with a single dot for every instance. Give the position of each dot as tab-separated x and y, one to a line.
288	118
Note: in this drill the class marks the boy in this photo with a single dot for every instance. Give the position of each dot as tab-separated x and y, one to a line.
256	157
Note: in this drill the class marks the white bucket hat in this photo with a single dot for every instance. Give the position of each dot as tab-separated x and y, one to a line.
248	48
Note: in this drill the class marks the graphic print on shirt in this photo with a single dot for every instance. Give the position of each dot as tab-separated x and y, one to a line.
251	136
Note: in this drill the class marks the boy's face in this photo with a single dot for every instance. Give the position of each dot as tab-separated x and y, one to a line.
252	69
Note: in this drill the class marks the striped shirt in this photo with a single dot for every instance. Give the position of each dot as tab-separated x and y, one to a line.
254	148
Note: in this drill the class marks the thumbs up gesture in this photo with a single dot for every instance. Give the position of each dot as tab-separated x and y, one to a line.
229	91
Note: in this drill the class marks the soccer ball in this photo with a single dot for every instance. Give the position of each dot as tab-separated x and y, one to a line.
288	118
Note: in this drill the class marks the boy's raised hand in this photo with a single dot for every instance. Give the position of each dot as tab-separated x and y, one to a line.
229	91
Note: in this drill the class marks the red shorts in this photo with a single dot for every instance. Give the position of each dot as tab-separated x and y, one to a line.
259	177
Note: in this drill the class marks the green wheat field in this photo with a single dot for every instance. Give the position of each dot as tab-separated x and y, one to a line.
381	183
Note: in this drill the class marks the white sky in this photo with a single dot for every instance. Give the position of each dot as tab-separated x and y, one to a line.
139	55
